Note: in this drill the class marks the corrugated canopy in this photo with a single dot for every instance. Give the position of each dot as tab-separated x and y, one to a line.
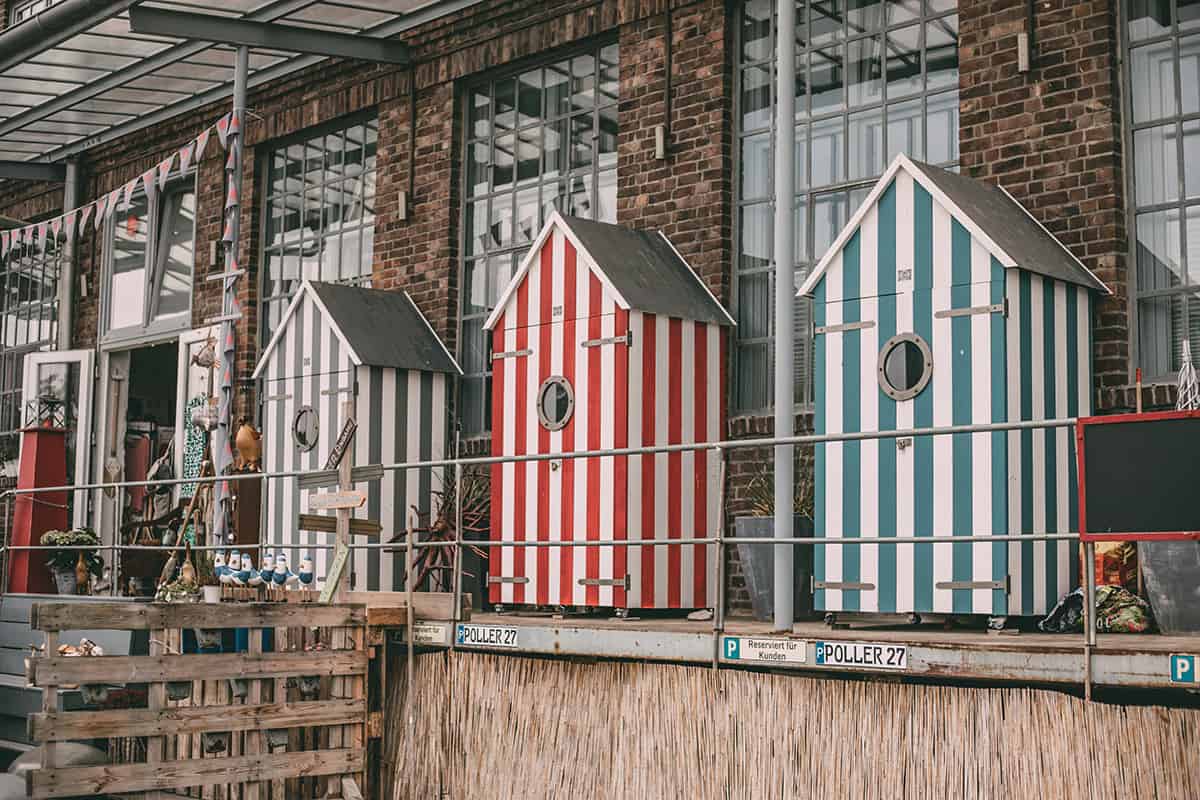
74	76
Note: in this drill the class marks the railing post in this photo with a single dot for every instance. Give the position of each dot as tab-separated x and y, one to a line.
458	546
719	535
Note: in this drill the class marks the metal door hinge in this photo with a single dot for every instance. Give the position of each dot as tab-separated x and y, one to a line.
619	582
844	585
498	579
511	354
845	326
1001	584
625	339
994	308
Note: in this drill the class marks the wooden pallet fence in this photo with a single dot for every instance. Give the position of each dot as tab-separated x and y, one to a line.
285	718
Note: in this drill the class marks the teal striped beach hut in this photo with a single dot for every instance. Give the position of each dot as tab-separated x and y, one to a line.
944	302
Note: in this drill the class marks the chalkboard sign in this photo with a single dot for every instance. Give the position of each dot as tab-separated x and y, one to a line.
1139	476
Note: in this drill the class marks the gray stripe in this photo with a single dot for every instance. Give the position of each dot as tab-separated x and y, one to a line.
278	434
320	334
400	476
374	456
425	421
296	334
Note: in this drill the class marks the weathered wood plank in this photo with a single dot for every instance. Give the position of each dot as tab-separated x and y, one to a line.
151	616
59	670
116	778
321	523
391	608
65	726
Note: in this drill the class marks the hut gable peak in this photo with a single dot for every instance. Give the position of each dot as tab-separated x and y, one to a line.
993	217
377	328
641	270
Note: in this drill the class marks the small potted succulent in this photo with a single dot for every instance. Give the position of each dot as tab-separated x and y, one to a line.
206	576
74	559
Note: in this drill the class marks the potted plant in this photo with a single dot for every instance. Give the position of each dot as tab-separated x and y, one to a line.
75	558
206	576
758	560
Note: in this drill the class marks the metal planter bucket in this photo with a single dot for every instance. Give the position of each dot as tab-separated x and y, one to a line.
758	566
1172	579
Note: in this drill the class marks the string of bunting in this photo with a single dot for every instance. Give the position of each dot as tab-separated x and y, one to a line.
74	222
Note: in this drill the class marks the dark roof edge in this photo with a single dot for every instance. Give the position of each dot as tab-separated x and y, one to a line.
53	26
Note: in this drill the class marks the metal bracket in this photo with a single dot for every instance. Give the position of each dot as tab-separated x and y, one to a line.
222	318
511	354
844	585
625	339
276	397
845	326
994	308
222	275
620	582
328	392
498	579
1001	584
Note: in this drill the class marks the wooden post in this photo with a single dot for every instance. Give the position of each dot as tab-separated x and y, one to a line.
346	484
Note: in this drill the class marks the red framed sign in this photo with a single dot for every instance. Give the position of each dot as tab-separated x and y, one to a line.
1139	476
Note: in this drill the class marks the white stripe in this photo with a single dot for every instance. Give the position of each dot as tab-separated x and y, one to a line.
687	463
834	495
634	558
533	426
662	418
412	487
388	506
943	412
1083	319
362	437
1038	393
554	490
509	469
603	395
714	387
1063	548
1013	347
305	344
904	410
981	412
582	412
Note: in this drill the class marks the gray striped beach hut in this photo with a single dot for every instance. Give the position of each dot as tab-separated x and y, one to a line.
943	302
337	341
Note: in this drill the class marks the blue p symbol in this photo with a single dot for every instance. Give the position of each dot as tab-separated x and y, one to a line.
462	634
1183	669
732	647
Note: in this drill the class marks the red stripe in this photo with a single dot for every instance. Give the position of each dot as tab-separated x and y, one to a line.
595	403
674	460
621	465
497	515
649	392
567	554
546	298
521	404
700	470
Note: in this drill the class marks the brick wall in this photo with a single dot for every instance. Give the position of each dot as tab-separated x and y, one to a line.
1052	137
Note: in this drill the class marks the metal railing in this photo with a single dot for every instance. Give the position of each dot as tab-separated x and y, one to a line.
717	537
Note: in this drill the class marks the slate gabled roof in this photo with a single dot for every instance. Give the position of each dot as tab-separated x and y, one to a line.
1009	230
643	269
379	329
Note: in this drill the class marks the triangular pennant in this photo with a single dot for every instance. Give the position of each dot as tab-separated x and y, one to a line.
101	210
84	216
164	170
231	199
69	225
148	181
235	125
3	243
227	236
223	130
41	233
185	156
113	196
56	227
202	144
231	160
29	234
129	187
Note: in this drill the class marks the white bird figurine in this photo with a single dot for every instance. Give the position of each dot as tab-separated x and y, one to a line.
232	566
256	577
266	571
282	576
306	576
241	576
218	564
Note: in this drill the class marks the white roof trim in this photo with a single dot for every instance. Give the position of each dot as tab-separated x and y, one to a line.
555	220
1066	250
698	279
901	161
429	328
305	289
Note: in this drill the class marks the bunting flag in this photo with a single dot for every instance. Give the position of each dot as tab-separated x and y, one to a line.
28	234
129	187
3	243
231	161
41	233
202	144
84	216
235	124
148	181
227	236
223	130
69	224
185	155
101	210
113	196
164	171
231	199
56	227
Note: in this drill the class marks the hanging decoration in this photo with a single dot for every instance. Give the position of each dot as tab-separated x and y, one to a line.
1189	382
74	221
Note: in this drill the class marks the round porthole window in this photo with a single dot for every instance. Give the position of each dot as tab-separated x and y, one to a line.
306	429
556	401
905	366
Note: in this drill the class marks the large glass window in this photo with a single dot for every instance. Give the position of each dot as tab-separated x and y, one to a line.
28	323
541	139
1163	118
873	79
151	255
319	210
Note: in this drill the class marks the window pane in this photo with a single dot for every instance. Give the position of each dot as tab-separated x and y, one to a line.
827	152
527	220
503	155
1156	165
904	130
475	287
529	97
800	231
481	108
904	61
1159	260
800	159
558	88
581	141
477	169
1152	72
756	98
606	141
500	226
583	82
1193	253
756	166
177	242
1189	14
506	104
1189	74
610	74
1160	333
941	52
826	21
941	119
825	75
754	305
754	376
529	155
754	237
863	16
756	30
1148	18
866	144
830	212
607	196
864	68
903	10
554	153
127	292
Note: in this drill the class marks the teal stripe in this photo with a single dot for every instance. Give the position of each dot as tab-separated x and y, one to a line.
960	404
923	403
1026	379
1049	368
999	350
819	380
1072	323
886	237
851	420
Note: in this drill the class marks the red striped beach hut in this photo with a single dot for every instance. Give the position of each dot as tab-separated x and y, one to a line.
606	338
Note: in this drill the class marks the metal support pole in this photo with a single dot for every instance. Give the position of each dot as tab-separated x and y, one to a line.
1089	616
785	190
458	546
719	535
66	276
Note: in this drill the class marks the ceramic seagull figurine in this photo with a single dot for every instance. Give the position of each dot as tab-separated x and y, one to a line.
231	566
282	575
266	569
242	576
218	564
306	575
